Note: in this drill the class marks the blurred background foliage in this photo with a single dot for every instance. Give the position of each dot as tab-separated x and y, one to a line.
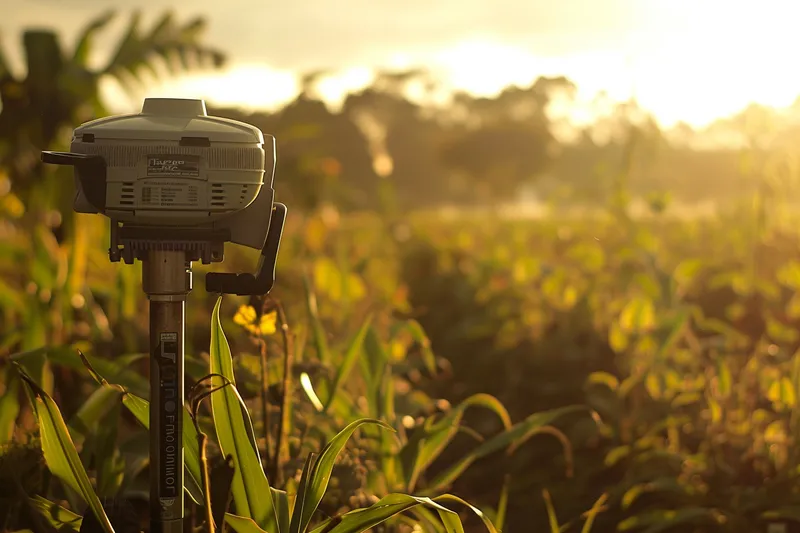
468	248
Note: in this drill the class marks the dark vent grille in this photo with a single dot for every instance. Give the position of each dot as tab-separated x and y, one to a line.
248	158
217	195
127	197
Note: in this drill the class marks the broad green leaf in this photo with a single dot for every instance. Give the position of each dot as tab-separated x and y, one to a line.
117	370
56	516
282	510
513	436
361	520
302	490
100	402
251	490
242	524
60	454
353	352
434	437
310	495
449	498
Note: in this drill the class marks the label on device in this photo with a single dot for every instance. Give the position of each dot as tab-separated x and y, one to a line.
173	166
169	425
167	193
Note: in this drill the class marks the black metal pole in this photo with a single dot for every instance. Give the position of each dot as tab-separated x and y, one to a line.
167	281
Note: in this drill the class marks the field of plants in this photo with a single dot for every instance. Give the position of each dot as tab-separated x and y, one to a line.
413	370
560	373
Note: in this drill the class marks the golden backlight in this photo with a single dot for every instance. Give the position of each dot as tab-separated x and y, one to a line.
684	61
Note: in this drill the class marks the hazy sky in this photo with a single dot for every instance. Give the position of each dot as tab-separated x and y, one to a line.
685	59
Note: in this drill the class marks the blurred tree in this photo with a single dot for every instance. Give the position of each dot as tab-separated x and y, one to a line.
503	142
403	137
61	90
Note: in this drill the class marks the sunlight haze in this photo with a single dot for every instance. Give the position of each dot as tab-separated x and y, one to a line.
682	60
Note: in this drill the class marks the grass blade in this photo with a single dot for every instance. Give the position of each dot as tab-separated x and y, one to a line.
361	520
421	451
9	406
519	433
310	495
242	524
551	512
449	498
60	454
56	516
351	356
308	388
251	490
318	332
592	513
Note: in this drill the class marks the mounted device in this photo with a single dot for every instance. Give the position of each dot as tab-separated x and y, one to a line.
177	185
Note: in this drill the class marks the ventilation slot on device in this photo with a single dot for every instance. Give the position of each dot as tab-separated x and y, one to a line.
244	194
217	195
127	197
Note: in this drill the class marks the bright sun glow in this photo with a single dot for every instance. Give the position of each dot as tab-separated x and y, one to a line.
688	61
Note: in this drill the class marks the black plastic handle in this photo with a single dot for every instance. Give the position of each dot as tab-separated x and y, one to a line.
90	170
260	283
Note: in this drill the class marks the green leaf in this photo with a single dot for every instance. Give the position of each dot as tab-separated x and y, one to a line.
242	524
723	379
353	353
552	519
82	49
318	332
424	343
282	510
598	506
9	406
429	443
665	484
449	498
308	388
604	378
390	462
56	516
638	316
251	490
662	521
361	520
514	436
60	454
100	402
310	496
116	370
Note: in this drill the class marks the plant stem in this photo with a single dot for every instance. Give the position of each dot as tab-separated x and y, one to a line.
201	437
282	443
265	389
